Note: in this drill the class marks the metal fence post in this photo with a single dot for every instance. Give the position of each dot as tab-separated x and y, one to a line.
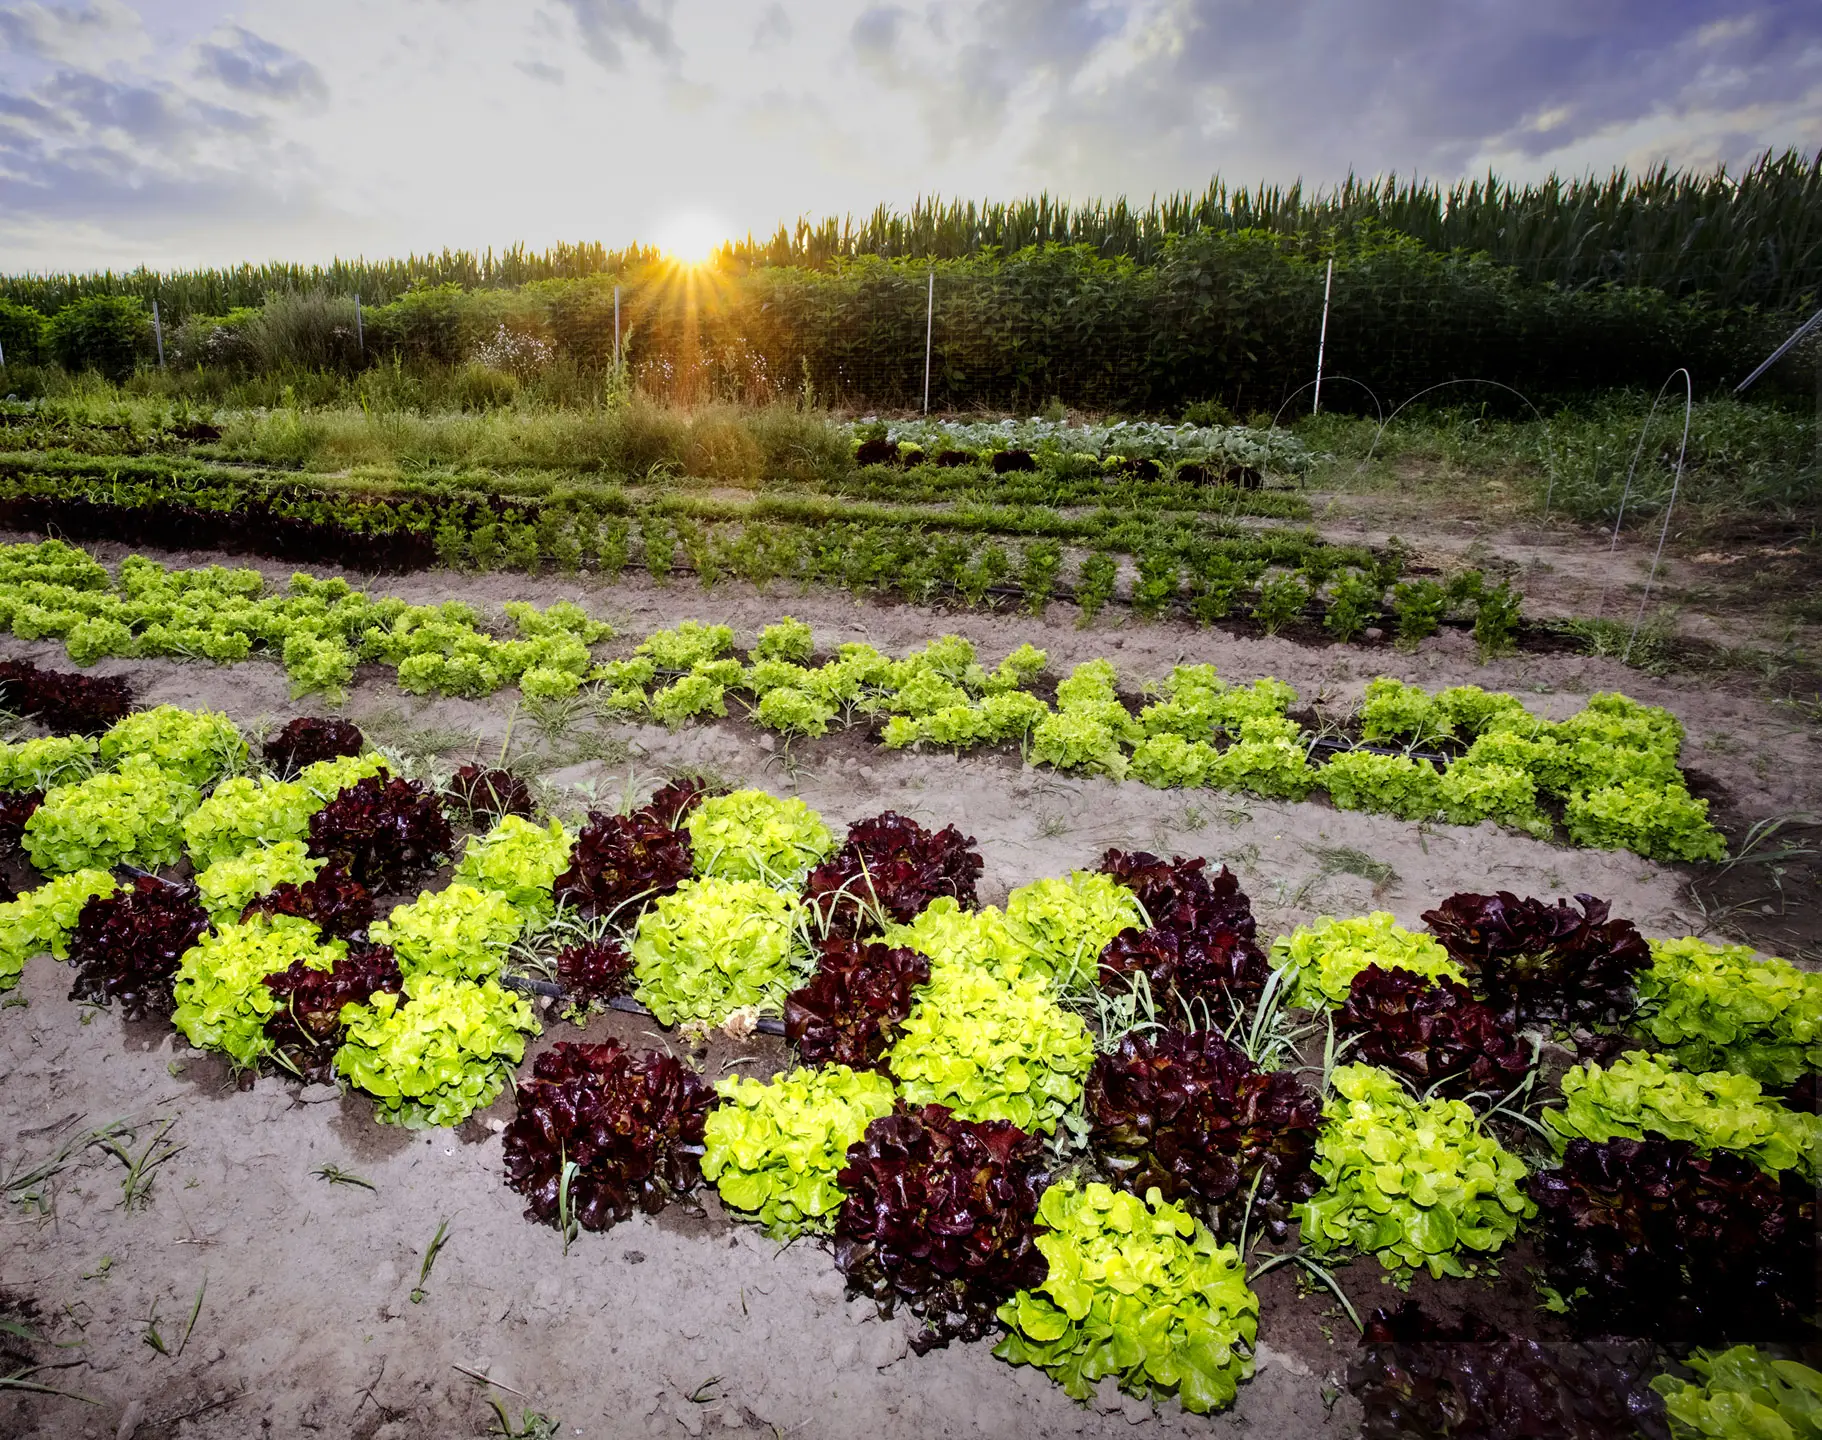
929	332
360	330
1322	340
158	334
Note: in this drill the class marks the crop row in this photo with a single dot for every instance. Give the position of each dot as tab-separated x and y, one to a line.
1610	772
954	1058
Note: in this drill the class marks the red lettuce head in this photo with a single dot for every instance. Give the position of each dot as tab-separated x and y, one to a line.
631	1124
621	863
892	867
853	1005
1535	961
1202	944
941	1213
307	740
126	946
1434	1033
338	906
383	833
306	1029
1189	1113
594	970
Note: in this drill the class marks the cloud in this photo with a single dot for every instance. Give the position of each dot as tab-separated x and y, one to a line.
243	61
538	70
875	37
774	28
93	35
605	24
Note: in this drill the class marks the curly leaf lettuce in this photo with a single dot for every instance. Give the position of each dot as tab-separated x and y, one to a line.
1327	955
1720	1007
459	933
131	817
222	1000
773	1149
520	861
1066	924
1137	1289
714	946
750	835
41	920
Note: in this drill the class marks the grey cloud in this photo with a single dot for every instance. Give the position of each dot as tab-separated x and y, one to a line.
606	24
92	35
249	63
538	70
875	35
774	28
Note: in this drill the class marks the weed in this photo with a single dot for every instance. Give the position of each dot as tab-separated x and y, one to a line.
532	1424
431	1251
142	1169
335	1175
29	1183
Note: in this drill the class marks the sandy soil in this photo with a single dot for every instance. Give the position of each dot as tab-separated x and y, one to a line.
307	1326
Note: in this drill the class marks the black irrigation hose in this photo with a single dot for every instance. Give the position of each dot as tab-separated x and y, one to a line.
525	985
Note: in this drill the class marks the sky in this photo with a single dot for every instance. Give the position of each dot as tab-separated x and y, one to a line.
185	132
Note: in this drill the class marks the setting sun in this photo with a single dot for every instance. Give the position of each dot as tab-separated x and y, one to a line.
691	238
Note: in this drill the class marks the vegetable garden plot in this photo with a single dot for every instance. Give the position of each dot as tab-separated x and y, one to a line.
1010	1079
1609	776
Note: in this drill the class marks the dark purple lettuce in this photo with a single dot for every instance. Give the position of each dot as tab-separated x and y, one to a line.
854	1003
126	946
1649	1237
621	863
1435	1034
339	906
631	1124
1535	961
308	739
1189	1113
1202	944
490	794
672	801
61	702
593	971
894	866
941	1214
306	1029
1417	1378
383	833
16	807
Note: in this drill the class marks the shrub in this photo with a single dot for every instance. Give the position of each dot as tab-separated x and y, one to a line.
1720	1007
222	1000
1651	1237
520	861
193	747
992	1049
1190	1116
228	886
1414	1182
458	933
385	833
940	1215
889	869
712	947
1326	956
1433	1033
1136	1289
42	919
1201	944
750	835
106	333
774	1149
438	1052
1639	1095
626	1127
307	740
1066	924
126	945
133	816
305	1030
1741	1392
1538	961
850	1011
623	863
